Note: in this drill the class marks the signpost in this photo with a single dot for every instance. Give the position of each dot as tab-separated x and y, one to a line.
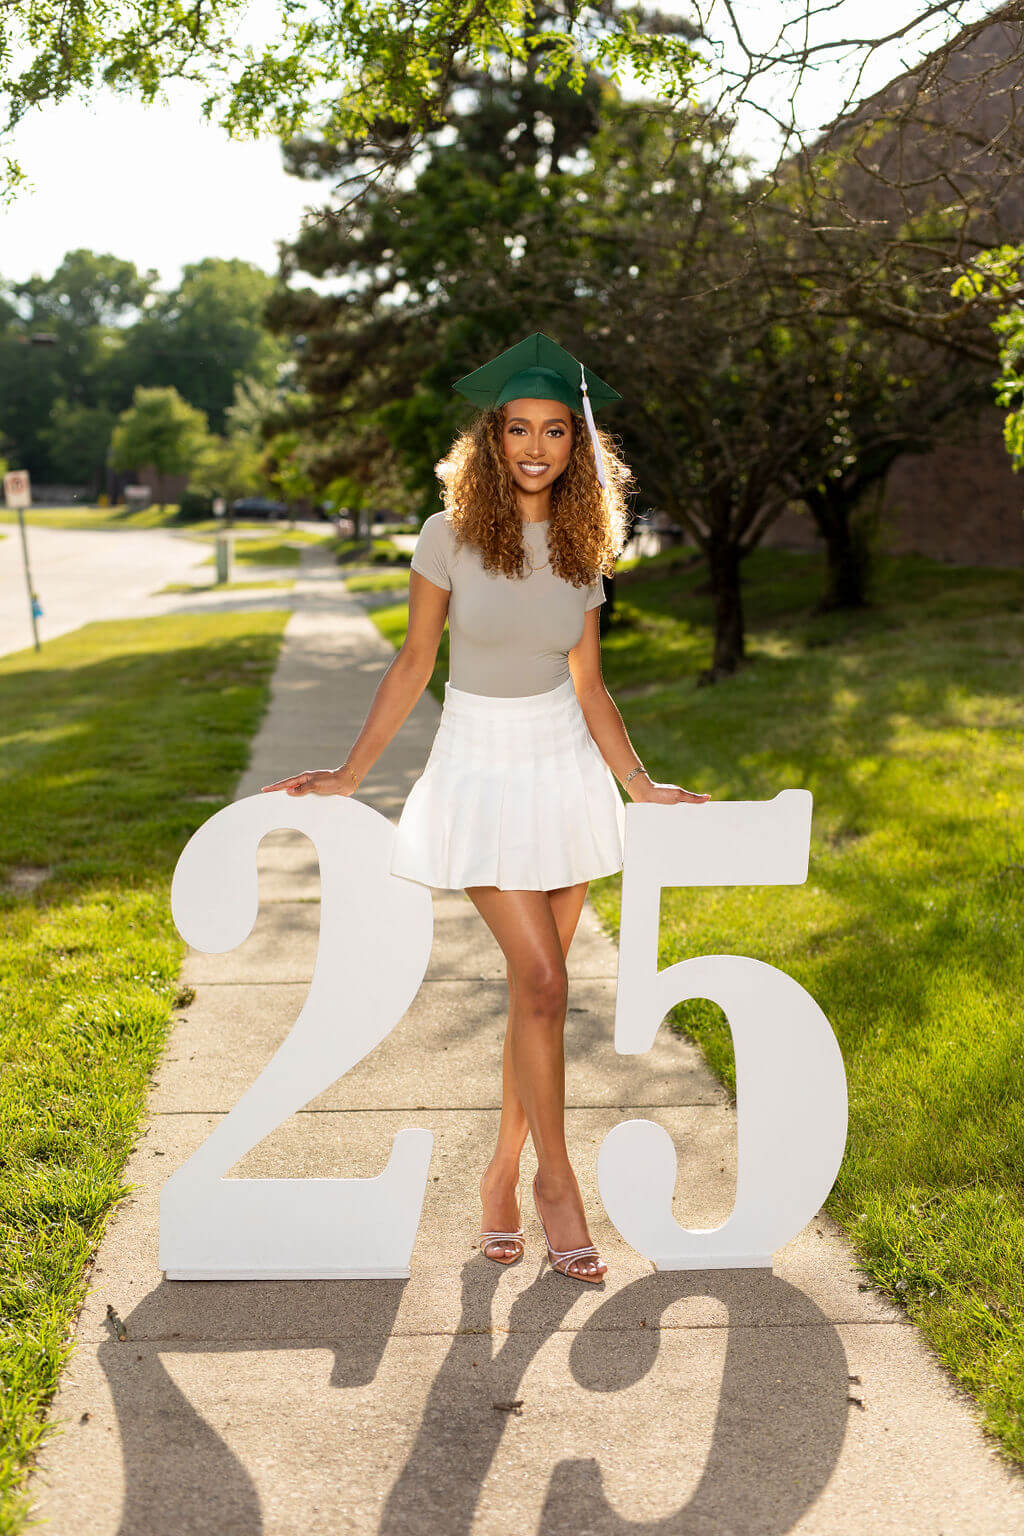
18	495
222	542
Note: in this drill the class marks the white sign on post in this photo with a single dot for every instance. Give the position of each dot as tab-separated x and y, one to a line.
17	489
791	1087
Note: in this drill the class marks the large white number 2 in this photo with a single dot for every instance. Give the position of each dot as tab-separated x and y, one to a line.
791	1101
376	933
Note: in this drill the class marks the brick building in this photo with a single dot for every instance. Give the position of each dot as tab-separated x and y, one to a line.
955	124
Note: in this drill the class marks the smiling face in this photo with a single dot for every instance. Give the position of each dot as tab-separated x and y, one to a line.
537	440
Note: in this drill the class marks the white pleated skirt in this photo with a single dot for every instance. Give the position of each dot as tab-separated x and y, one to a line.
514	793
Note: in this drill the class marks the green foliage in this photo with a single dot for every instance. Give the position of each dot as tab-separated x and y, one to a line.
58	401
386	552
344	494
445	273
194	505
76	440
87	290
285	465
226	466
205	337
159	429
346	68
382	552
997	279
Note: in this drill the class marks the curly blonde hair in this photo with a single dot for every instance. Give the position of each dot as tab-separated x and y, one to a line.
588	526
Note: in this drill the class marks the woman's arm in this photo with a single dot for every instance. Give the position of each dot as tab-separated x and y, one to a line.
605	723
397	692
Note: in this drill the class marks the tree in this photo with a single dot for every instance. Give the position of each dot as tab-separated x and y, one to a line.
48	394
874	395
622	258
226	466
739	310
203	336
85	291
77	439
381	75
790	350
432	273
85	304
30	386
161	429
284	464
110	329
384	76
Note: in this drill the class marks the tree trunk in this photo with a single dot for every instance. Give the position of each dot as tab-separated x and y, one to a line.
846	550
847	569
727	601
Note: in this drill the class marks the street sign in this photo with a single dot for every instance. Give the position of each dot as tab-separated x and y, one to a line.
18	494
17	490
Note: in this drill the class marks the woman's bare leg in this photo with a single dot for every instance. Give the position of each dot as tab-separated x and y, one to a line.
534	930
513	1128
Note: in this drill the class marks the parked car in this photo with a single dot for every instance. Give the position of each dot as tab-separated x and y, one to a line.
258	506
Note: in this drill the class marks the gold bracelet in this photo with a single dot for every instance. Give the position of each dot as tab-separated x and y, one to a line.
352	772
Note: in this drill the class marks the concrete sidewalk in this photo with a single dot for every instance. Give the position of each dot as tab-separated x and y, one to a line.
473	1398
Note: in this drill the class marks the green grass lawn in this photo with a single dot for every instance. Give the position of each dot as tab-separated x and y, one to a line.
906	722
106	518
380	581
116	742
278	549
277	540
224	586
97	517
272	551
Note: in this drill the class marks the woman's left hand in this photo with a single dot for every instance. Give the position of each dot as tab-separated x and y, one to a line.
642	789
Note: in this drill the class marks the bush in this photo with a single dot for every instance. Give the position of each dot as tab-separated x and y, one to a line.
386	553
194	505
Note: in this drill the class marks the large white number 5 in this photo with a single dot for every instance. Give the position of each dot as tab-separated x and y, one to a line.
376	932
791	1099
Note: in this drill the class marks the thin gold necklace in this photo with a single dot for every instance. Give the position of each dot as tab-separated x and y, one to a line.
529	556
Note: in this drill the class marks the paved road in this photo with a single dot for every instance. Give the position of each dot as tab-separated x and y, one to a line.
81	575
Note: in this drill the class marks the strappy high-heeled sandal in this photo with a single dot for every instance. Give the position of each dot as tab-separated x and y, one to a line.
561	1260
487	1238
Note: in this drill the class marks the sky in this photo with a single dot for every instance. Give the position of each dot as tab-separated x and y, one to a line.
155	185
159	186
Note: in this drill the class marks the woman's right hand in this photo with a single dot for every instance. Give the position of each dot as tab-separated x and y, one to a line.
316	781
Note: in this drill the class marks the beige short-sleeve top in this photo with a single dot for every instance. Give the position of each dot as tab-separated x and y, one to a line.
508	636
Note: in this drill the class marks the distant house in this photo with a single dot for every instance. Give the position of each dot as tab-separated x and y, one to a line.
171	488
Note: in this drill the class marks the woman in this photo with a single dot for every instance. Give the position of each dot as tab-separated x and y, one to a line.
517	803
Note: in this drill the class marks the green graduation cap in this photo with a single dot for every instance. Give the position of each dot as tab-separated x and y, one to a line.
537	368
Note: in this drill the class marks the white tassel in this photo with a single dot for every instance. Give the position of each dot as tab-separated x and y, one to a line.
591	428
